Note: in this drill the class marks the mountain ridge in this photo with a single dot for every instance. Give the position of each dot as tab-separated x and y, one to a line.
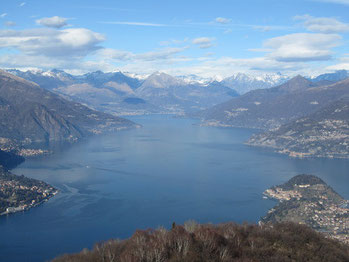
325	133
110	92
31	114
270	108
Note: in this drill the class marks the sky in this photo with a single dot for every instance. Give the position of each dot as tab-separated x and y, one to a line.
215	38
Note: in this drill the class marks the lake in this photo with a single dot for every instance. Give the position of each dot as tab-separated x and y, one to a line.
168	170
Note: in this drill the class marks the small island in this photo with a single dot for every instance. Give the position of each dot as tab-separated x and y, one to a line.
306	199
19	193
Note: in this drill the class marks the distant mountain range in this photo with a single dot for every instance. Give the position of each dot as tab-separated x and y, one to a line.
175	95
270	108
216	102
244	83
332	77
263	108
121	94
30	115
306	117
128	94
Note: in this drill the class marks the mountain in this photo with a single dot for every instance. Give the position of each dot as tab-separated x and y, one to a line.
175	95
262	108
125	94
270	108
57	78
306	199
31	114
332	77
48	80
100	79
244	83
107	92
324	133
192	78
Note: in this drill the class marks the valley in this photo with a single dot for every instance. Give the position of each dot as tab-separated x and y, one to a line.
174	131
119	176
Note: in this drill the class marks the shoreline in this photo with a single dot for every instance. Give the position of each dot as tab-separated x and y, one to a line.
18	209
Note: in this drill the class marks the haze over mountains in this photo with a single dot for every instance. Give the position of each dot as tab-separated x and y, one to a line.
270	108
307	118
121	94
244	83
216	102
30	114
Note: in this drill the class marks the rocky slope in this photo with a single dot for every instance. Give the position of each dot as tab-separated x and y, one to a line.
324	133
270	108
244	83
264	108
121	94
177	96
107	92
332	77
306	199
30	114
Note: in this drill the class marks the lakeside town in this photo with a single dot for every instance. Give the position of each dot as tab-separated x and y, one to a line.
19	193
313	203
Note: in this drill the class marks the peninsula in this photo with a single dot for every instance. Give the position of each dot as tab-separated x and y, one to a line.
19	193
306	199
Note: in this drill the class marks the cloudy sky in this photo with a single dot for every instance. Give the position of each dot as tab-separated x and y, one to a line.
181	37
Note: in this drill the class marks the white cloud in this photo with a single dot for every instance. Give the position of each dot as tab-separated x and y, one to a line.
10	23
263	28
263	50
203	42
343	64
55	21
79	50
22	4
302	47
323	24
226	66
174	42
119	55
339	66
160	54
73	42
267	28
222	20
3	15
134	23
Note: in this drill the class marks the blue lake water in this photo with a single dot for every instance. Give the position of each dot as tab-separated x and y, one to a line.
169	170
